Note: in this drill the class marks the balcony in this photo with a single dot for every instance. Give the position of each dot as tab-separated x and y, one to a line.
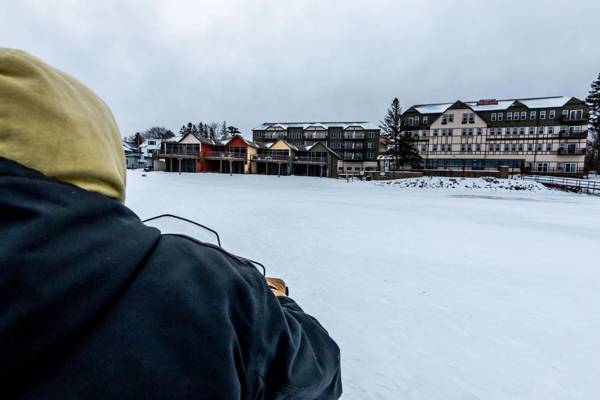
353	156
274	135
179	151
315	136
310	160
353	146
225	155
570	152
564	134
270	157
354	136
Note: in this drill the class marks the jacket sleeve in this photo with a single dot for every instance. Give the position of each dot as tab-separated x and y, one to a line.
299	359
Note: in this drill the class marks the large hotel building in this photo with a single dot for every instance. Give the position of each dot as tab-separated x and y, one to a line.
537	135
356	143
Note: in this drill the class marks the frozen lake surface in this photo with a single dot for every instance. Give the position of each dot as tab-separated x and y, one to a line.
430	293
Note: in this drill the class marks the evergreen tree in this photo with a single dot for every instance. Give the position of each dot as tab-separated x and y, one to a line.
224	133
593	147
138	139
202	129
232	131
400	146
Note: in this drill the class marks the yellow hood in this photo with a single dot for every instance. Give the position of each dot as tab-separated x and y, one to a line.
52	123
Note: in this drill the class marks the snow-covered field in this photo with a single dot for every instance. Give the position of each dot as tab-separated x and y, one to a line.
431	294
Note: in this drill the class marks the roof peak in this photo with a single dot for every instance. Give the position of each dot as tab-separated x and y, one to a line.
475	101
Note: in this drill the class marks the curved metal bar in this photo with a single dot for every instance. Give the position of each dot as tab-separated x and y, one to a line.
186	220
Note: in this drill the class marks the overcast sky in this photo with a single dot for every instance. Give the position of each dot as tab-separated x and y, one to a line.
247	61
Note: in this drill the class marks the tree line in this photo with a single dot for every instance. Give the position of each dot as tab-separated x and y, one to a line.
212	130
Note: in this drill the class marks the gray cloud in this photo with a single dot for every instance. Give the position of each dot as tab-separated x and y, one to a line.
169	62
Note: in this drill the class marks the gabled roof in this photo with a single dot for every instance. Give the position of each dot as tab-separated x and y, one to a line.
313	146
459	105
247	142
317	126
291	146
499	105
304	125
201	139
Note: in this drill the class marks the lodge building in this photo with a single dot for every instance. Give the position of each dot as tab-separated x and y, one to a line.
193	153
356	143
537	135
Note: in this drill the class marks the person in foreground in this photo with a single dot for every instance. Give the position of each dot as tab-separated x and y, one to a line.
94	304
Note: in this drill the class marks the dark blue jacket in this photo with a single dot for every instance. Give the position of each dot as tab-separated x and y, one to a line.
94	304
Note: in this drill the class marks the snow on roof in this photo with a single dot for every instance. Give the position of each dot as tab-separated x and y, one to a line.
533	102
317	126
501	105
174	138
547	102
128	146
305	125
432	108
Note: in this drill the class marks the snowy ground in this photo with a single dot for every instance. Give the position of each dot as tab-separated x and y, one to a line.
431	294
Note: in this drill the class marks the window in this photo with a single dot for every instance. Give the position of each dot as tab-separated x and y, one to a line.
543	114
500	116
523	115
521	131
532	115
151	142
498	148
507	147
529	146
371	155
552	114
370	145
480	131
541	130
435	147
464	132
494	115
549	147
471	118
478	147
532	130
435	132
515	116
520	146
465	118
446	118
509	116
550	130
371	135
463	147
492	147
470	131
513	147
539	147
576	115
424	147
